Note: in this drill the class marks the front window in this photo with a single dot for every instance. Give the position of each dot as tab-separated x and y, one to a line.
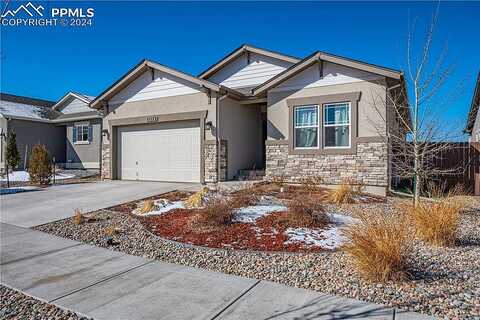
337	125
306	126
82	132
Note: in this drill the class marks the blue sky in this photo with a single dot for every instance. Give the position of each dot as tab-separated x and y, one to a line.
46	62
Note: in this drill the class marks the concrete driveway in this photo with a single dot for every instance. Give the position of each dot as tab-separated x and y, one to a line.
29	209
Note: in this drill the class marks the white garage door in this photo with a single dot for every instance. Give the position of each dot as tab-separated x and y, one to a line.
167	151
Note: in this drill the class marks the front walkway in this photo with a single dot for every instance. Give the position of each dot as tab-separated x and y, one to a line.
28	209
106	284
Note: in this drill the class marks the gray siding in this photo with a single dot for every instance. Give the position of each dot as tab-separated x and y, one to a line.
30	133
84	156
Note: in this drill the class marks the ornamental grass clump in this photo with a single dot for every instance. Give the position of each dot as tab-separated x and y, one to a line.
147	206
378	245
436	223
346	192
78	218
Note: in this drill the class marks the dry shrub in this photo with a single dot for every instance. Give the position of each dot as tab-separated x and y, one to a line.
278	180
379	245
304	212
436	222
311	184
216	214
243	198
78	218
147	206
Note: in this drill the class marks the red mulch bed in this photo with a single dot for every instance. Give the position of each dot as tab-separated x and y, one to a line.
174	225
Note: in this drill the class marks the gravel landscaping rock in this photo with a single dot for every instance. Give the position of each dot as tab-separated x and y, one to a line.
445	281
16	305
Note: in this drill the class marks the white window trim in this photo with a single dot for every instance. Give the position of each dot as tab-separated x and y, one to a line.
349	124
300	127
81	125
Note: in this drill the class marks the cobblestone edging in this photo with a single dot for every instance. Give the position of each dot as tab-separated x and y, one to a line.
369	165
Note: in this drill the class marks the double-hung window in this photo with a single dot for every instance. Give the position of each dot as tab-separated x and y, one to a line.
336	125
82	133
305	126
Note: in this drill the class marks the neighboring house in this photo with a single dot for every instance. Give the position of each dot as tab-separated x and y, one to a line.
52	124
255	109
83	131
473	121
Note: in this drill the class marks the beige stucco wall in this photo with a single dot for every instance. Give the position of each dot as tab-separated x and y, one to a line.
165	105
369	120
241	127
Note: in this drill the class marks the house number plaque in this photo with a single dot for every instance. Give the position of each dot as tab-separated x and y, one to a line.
152	119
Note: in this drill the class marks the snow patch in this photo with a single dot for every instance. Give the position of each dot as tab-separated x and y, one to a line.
24	176
163	207
330	238
252	213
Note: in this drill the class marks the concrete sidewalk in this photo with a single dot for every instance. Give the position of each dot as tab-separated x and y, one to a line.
106	284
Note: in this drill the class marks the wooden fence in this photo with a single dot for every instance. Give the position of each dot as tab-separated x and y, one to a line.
463	159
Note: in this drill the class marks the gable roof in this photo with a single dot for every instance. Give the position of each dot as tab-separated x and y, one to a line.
139	69
319	56
240	51
71	94
472	115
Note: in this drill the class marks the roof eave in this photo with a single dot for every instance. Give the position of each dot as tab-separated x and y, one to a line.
320	56
137	70
238	52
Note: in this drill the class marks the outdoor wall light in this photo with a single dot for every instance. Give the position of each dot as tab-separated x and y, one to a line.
208	125
105	132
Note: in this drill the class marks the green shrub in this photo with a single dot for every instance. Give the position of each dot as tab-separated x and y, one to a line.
39	165
12	156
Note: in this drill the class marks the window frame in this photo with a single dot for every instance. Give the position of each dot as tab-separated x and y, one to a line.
81	126
324	125
317	107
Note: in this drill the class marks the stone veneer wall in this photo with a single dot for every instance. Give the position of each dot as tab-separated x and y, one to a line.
211	160
369	165
106	172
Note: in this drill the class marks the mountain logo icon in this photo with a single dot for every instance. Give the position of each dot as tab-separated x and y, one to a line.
29	9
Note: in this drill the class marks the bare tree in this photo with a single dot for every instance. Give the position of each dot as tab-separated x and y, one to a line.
415	135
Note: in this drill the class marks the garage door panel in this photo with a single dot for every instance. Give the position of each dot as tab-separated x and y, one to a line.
162	152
